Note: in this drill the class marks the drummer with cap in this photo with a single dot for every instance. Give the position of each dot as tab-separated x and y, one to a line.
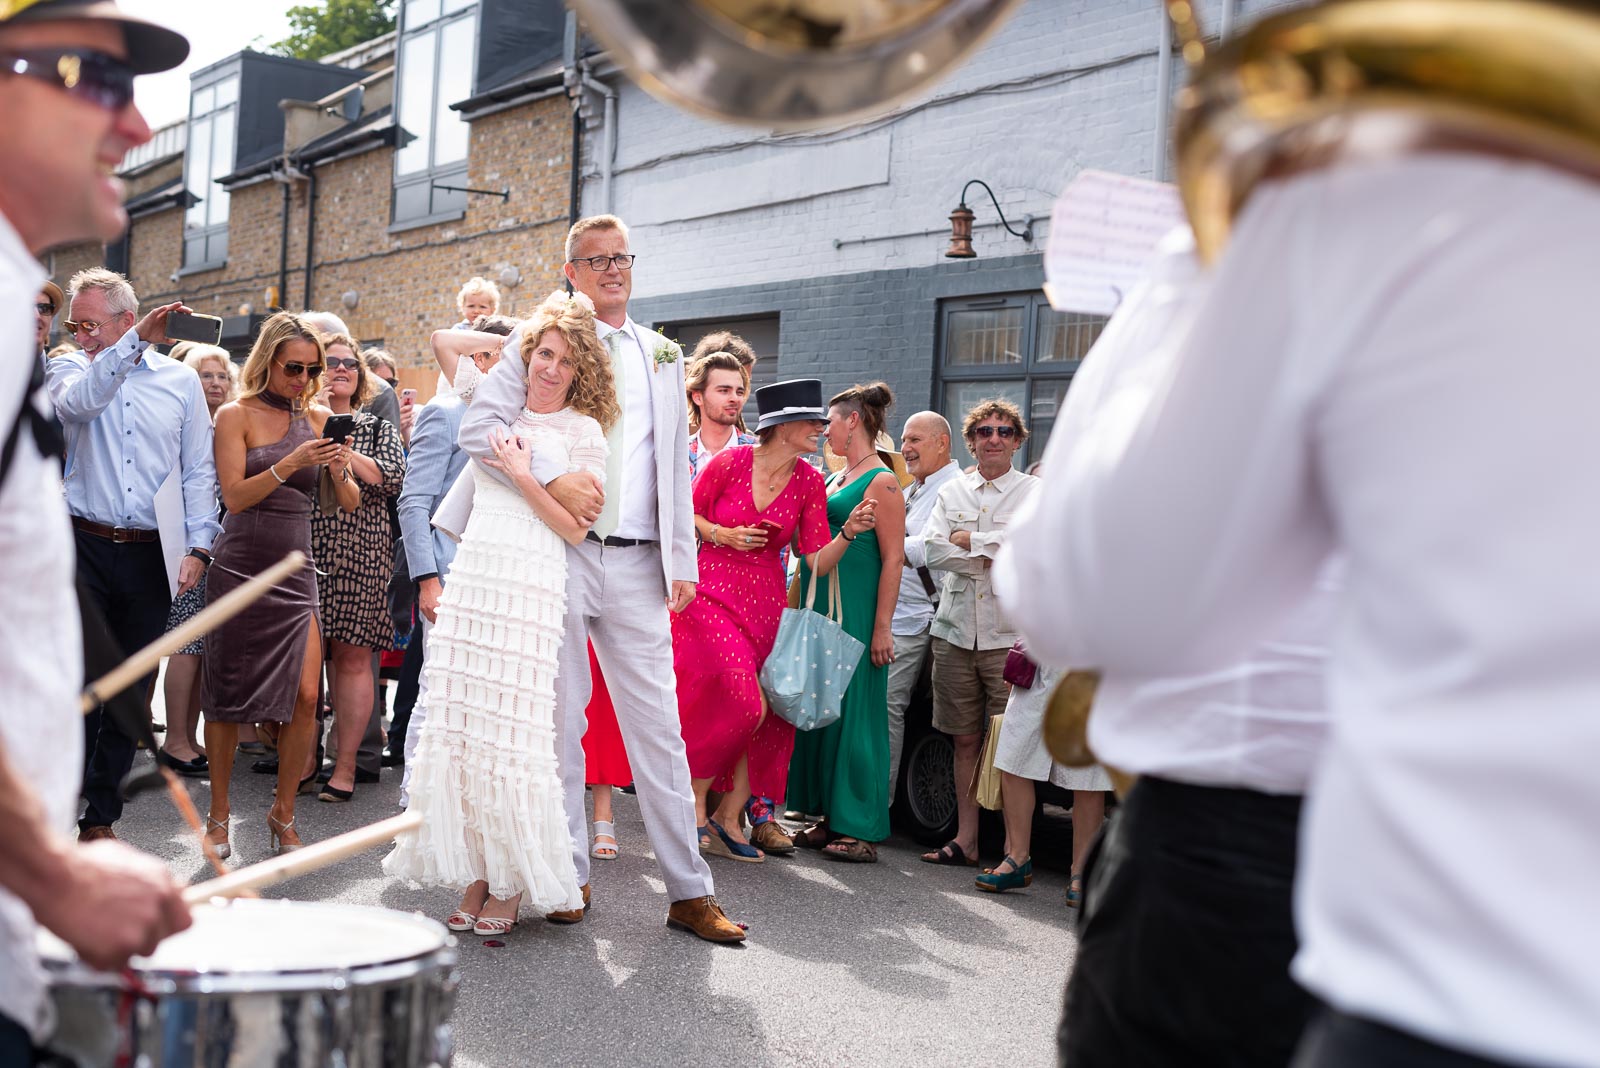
66	91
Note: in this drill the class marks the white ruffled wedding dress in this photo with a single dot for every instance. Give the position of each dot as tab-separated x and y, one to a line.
484	776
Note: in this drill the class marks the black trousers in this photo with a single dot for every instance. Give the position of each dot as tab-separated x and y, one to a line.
406	689
128	583
16	1045
1334	1040
1186	934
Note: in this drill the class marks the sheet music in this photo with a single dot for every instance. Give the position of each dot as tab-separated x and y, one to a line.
1104	229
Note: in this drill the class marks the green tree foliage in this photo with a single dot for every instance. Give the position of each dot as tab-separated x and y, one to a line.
320	29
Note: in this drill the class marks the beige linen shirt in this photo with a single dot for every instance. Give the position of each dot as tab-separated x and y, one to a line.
969	615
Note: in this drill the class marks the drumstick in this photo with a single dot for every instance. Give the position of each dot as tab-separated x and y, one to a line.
147	659
279	869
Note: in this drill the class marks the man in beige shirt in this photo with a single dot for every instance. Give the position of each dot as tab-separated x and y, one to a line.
970	634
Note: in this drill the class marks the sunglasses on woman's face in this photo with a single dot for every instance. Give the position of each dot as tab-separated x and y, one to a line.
1005	432
295	370
100	79
348	363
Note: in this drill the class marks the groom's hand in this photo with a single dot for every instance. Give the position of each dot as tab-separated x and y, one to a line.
682	594
581	494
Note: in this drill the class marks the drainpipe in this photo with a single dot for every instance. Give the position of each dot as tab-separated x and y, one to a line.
283	248
609	151
311	231
569	80
1163	94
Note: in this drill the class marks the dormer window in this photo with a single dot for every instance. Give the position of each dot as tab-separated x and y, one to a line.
436	62
213	123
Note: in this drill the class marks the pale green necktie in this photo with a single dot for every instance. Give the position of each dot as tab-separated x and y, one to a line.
606	525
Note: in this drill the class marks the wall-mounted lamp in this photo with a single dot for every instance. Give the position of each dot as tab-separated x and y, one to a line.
350	299
961	224
510	277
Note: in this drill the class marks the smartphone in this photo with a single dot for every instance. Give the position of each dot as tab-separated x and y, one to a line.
339	428
408	395
770	529
206	329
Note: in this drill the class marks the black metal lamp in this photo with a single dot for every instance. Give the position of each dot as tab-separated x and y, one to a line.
961	224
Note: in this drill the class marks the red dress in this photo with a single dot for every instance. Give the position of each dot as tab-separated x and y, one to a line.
605	761
721	640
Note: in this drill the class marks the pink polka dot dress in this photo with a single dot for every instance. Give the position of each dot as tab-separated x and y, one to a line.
721	640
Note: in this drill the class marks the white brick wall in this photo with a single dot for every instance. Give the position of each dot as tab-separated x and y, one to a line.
1025	114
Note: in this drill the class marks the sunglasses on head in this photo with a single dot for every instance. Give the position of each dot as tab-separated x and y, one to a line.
96	77
347	362
295	370
990	431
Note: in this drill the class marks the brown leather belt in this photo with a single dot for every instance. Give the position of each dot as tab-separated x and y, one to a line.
115	535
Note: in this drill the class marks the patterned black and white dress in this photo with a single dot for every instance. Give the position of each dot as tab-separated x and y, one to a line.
355	550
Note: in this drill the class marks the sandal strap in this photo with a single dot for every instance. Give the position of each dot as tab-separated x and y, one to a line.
610	828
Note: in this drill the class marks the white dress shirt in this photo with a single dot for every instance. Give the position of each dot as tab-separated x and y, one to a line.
1397	360
914	610
636	517
41	652
969	615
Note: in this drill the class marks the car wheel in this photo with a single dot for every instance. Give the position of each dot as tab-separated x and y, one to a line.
928	788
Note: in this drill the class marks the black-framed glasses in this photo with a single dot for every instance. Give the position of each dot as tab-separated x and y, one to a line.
44	307
295	370
1006	432
347	362
624	261
101	79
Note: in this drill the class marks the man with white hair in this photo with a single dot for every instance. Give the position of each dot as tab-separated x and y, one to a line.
134	419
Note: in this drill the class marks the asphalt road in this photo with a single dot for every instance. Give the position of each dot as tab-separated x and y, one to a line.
895	963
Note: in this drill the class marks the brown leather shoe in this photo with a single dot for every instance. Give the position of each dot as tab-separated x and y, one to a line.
704	917
94	834
771	838
571	915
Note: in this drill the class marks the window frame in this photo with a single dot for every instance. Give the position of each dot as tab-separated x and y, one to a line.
209	231
1029	372
441	206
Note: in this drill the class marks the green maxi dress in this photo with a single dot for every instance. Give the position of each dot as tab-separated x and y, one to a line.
841	772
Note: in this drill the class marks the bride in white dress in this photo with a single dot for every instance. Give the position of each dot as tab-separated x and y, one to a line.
484	776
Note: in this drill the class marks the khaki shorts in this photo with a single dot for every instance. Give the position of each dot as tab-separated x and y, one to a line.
968	687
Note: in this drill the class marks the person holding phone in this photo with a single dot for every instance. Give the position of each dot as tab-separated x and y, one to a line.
265	664
355	550
750	501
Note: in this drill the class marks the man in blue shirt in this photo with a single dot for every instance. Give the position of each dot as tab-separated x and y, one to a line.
134	419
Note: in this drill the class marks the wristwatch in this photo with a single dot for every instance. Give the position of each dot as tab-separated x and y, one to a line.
201	555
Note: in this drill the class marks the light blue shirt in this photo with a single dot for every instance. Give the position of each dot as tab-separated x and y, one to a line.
913	612
131	422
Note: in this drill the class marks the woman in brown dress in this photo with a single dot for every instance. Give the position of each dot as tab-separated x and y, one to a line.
355	554
263	665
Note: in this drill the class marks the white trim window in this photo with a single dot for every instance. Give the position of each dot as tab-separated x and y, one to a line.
213	126
438	46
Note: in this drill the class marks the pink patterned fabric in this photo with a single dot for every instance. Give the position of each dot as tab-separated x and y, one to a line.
721	640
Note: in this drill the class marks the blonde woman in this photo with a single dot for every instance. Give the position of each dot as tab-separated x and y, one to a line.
180	749
485	776
264	664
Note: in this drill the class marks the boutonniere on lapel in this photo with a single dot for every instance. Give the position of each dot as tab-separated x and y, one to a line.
666	352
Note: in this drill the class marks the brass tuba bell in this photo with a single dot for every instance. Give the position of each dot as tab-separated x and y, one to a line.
789	64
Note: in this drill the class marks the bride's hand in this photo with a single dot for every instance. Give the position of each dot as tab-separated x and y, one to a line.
511	456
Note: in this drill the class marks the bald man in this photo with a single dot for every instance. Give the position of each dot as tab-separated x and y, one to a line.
925	444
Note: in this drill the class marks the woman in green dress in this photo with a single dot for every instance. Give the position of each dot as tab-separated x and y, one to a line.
841	772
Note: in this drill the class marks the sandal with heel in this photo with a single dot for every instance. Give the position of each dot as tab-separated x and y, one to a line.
224	848
275	829
605	850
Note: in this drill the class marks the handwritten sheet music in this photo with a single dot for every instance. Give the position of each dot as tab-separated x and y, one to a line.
1104	229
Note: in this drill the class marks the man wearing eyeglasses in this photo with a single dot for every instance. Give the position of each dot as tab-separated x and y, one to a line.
970	634
66	81
637	563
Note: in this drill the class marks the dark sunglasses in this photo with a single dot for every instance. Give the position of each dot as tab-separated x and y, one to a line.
102	80
348	362
295	370
624	262
45	308
1005	432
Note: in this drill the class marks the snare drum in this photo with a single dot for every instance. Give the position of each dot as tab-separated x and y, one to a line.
278	983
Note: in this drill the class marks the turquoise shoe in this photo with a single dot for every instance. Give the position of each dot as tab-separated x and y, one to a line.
998	882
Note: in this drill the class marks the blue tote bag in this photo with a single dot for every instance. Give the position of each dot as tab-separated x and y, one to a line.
812	662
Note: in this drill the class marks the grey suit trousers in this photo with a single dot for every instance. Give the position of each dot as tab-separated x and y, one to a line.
616	597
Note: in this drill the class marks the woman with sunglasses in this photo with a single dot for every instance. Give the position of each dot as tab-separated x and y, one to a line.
355	553
265	664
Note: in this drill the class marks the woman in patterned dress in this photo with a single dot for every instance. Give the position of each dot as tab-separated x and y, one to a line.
750	502
355	553
180	749
484	776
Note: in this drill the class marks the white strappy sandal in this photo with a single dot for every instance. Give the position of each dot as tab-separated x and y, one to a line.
605	850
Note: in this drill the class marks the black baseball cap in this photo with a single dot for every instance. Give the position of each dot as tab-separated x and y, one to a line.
151	48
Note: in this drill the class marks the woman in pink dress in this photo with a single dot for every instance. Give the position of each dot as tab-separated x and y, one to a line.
750	503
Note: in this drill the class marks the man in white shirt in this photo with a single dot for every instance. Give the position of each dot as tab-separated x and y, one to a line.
637	564
57	144
1346	386
717	384
925	444
970	634
1187	931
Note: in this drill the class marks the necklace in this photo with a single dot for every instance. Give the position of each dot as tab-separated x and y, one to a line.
772	479
845	474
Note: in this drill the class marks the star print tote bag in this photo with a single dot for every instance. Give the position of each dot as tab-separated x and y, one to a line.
812	662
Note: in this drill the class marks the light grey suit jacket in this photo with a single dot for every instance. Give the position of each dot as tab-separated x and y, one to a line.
432	466
500	398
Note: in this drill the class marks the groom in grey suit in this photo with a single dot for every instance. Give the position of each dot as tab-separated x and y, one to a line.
637	564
